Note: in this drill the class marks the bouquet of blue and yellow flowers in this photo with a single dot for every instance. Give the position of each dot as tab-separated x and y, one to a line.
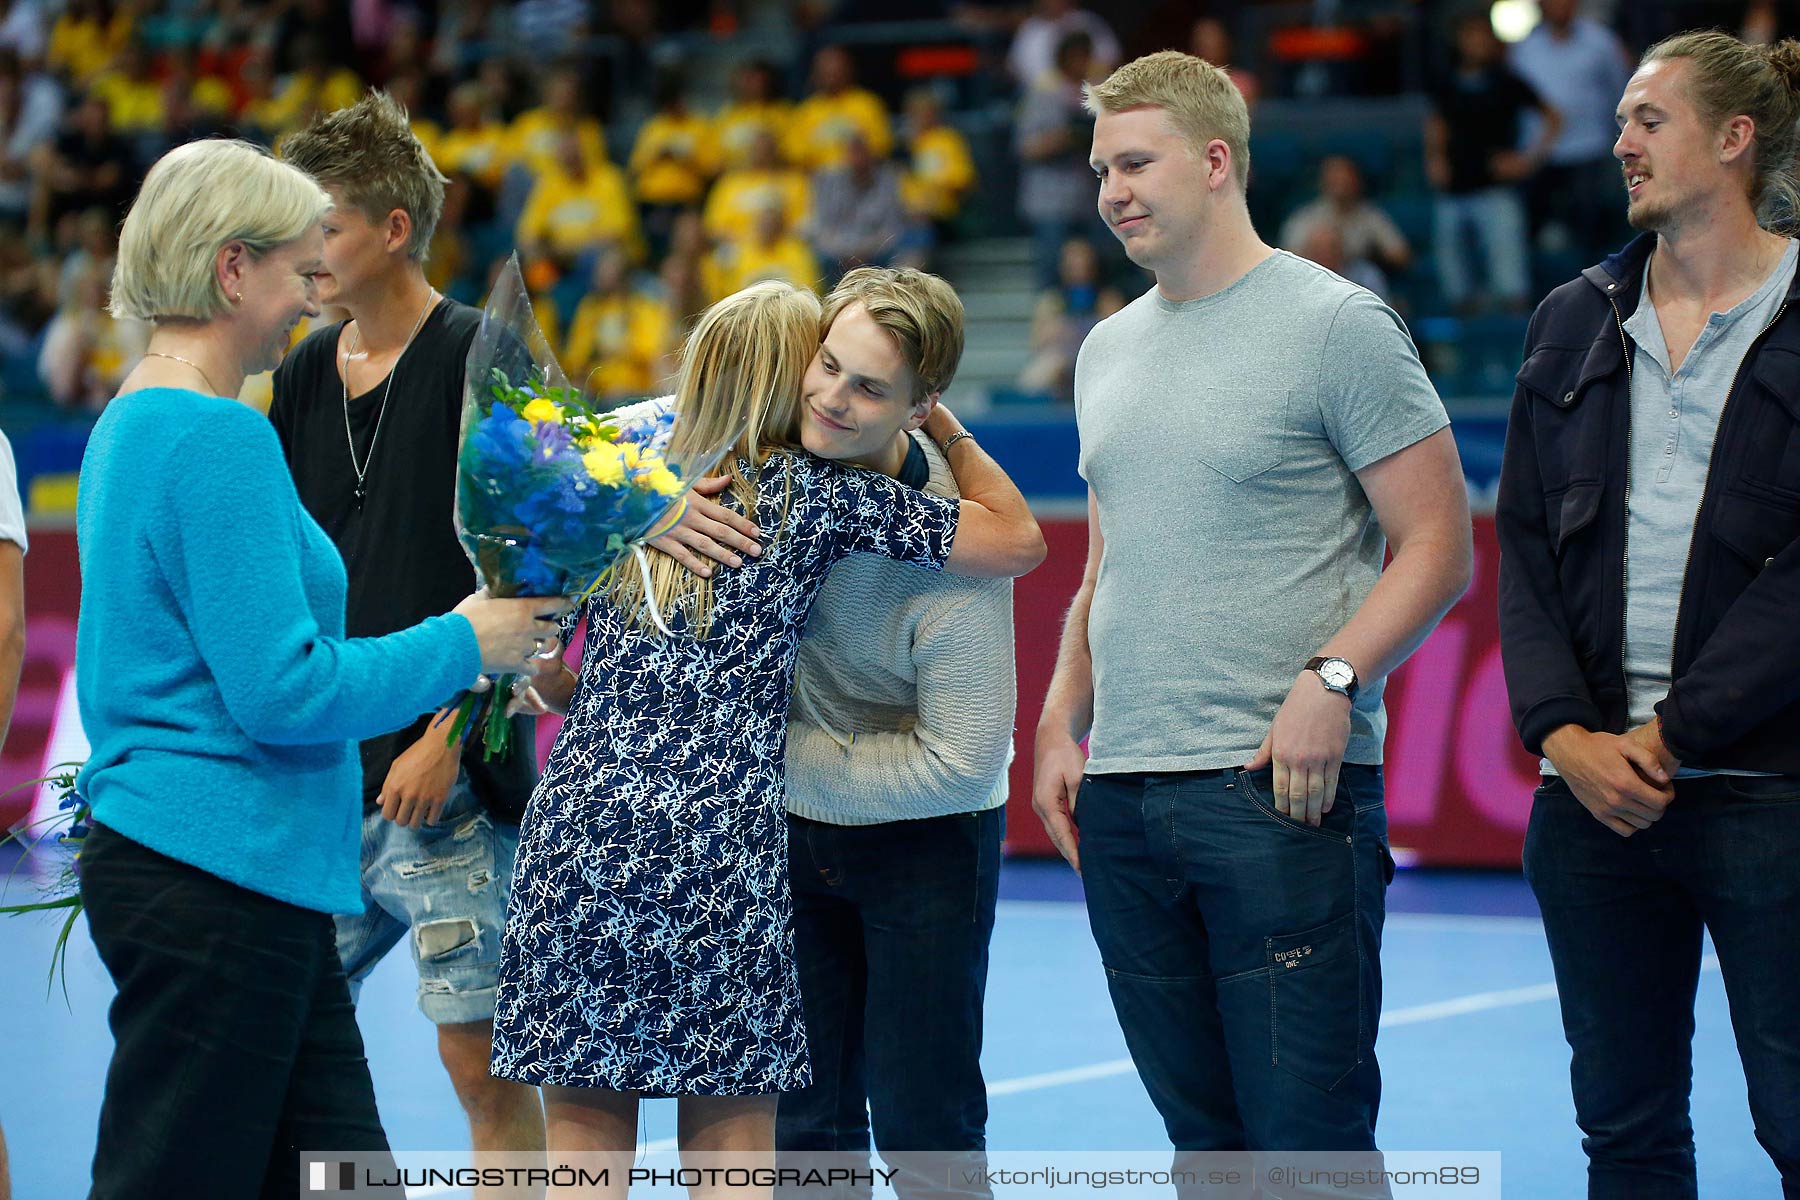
552	492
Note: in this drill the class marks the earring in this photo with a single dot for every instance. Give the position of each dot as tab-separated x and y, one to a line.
240	297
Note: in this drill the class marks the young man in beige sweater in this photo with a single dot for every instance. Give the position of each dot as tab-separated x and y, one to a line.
898	742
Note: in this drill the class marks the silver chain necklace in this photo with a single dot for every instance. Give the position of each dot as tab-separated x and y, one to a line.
362	468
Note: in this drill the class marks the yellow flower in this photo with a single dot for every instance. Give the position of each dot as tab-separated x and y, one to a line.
662	480
605	464
632	457
544	412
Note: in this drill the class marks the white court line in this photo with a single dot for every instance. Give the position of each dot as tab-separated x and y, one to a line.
1416	1014
1425	922
1392	1019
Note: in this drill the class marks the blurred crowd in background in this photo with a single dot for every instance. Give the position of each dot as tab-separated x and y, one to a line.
645	158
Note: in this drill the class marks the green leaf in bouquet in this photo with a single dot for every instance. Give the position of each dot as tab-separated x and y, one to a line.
76	815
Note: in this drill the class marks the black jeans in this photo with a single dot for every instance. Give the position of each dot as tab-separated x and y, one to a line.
1242	951
1624	918
236	1047
891	930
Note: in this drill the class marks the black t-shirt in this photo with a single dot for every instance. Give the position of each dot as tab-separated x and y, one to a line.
1483	110
915	470
399	543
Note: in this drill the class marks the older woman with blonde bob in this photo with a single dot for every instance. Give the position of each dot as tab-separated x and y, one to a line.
649	947
221	697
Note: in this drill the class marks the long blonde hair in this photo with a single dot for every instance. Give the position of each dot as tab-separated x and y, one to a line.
740	375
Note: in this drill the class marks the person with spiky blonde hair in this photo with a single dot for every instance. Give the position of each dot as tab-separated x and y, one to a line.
368	411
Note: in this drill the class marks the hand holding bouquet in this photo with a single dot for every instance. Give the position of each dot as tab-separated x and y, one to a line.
551	492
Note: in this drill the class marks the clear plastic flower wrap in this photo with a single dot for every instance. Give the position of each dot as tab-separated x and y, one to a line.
552	491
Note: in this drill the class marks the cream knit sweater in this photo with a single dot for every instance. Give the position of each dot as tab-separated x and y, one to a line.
905	694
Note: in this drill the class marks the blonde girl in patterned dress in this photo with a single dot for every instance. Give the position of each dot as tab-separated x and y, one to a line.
649	944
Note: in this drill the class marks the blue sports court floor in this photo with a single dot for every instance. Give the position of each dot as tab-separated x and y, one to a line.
1471	1046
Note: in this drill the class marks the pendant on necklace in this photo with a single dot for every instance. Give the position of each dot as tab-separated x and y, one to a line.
361	494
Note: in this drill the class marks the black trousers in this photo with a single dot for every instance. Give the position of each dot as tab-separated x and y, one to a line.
236	1045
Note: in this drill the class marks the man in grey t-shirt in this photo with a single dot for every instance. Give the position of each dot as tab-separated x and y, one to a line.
1255	433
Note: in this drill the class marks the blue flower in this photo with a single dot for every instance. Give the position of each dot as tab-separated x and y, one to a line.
533	573
502	439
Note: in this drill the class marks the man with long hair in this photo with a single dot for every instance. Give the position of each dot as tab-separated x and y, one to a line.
1649	523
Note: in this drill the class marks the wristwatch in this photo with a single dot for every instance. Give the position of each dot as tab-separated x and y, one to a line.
1336	674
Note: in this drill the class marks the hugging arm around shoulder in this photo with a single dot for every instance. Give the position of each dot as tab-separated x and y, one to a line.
996	535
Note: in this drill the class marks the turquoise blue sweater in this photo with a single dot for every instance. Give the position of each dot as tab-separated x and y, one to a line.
218	691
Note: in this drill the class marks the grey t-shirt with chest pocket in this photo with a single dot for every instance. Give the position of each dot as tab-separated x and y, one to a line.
1221	438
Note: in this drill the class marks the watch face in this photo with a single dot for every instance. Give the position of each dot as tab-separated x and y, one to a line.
1337	672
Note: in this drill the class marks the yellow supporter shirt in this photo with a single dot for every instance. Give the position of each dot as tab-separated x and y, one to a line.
431	137
81	48
738	196
300	96
738	124
132	105
823	125
532	139
571	215
788	259
617	340
673	159
213	95
480	153
942	172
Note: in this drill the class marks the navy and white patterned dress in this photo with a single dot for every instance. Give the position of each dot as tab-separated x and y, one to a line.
649	942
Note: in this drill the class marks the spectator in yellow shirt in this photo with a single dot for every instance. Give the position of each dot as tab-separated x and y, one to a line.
756	108
315	86
206	93
86	352
536	134
819	136
942	170
617	337
771	252
577	207
134	102
740	196
86	38
673	160
476	144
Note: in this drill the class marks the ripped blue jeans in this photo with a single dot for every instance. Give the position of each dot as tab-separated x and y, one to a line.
447	885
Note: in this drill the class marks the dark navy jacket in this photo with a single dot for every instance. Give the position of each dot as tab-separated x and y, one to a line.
1561	517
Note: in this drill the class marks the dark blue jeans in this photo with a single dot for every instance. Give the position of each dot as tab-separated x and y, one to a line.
891	929
1624	918
236	1047
1242	950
